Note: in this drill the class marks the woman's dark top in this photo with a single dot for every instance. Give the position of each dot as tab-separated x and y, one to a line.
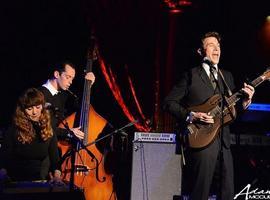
23	162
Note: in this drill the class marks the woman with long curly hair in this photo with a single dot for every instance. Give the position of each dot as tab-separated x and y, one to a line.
29	141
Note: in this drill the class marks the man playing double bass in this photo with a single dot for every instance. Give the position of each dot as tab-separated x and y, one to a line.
58	97
96	182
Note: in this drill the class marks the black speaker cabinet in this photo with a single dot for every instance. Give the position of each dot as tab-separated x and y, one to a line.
156	171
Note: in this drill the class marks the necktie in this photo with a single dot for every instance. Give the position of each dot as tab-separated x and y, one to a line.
212	78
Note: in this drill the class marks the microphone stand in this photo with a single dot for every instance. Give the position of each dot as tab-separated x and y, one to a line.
120	130
75	141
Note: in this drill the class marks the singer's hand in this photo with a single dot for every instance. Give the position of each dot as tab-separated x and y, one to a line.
78	132
90	76
201	117
249	91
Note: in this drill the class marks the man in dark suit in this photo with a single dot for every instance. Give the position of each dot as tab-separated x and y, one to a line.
194	88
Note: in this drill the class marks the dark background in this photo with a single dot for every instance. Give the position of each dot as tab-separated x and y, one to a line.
36	34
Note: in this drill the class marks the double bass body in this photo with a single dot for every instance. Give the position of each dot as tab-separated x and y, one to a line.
89	173
87	180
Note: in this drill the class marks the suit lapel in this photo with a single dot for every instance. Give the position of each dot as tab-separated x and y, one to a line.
205	79
220	82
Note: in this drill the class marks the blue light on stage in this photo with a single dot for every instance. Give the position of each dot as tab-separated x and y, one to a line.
267	133
259	107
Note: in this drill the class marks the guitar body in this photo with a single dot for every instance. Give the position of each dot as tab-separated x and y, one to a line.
202	134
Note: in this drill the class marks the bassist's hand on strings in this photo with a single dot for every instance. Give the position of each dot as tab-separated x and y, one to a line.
249	92
201	117
90	76
78	132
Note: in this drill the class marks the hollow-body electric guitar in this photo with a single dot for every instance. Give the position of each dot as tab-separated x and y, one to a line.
201	134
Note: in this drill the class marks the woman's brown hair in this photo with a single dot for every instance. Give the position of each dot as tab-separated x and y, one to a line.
26	132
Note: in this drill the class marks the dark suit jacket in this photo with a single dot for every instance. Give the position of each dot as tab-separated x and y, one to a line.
194	88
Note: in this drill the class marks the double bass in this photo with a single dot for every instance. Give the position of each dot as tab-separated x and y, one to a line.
88	173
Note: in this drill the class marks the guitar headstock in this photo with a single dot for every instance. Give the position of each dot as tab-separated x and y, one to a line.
266	74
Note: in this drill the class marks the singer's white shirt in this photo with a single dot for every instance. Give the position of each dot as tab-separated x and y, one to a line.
50	87
207	69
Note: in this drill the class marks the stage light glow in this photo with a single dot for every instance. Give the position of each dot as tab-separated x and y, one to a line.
176	6
259	107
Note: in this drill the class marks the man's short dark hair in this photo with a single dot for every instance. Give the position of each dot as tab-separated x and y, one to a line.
211	34
214	34
60	67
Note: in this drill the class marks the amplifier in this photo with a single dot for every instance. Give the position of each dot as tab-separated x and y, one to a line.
156	167
154	137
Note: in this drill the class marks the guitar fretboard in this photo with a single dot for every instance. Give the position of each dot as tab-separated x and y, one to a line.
237	96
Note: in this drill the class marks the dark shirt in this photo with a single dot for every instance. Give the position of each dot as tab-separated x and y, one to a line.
63	105
24	161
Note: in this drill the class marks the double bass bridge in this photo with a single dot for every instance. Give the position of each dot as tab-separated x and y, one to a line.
81	170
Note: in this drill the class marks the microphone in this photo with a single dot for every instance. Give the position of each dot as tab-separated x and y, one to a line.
212	68
123	133
72	94
49	106
119	130
132	123
207	61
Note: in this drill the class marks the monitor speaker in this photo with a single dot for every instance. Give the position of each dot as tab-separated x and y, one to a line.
156	171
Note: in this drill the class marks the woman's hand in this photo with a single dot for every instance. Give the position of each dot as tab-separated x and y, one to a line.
55	179
3	176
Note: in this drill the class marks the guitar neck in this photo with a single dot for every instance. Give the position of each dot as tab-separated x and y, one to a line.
238	95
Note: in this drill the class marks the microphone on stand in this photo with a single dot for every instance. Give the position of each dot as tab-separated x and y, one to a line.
72	94
120	131
128	125
54	110
213	70
207	61
49	106
123	133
